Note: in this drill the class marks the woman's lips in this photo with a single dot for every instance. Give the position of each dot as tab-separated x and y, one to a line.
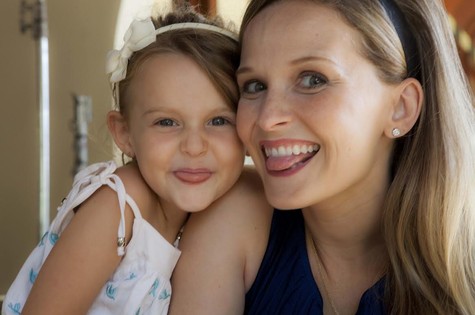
276	164
287	156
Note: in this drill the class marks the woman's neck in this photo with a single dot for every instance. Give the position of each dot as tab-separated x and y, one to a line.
352	231
346	251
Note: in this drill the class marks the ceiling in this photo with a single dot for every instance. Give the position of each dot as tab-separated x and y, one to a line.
463	11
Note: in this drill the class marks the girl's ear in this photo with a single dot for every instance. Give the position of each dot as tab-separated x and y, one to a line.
406	109
119	130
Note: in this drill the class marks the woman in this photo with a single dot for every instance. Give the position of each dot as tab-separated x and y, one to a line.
357	113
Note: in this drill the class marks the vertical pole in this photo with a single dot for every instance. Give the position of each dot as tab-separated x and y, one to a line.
33	17
82	117
44	100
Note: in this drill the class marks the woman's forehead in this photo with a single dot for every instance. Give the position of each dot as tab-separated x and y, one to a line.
306	29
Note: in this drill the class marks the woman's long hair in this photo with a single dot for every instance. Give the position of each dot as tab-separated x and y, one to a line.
429	212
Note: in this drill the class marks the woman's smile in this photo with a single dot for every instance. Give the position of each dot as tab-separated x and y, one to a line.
284	158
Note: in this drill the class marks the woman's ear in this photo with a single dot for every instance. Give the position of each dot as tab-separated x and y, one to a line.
119	130
406	109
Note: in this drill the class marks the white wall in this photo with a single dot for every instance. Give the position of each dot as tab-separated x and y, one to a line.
80	34
232	10
136	9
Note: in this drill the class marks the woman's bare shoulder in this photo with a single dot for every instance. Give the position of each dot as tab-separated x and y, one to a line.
245	197
243	206
222	248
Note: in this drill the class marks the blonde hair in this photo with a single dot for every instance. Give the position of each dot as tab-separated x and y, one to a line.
216	54
429	216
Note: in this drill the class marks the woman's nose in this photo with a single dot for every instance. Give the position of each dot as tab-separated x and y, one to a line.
274	112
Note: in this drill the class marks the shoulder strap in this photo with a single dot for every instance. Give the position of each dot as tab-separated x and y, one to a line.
86	182
115	183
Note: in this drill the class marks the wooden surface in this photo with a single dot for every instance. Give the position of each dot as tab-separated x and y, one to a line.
463	11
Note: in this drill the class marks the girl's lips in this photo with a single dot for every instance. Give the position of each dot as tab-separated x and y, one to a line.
193	176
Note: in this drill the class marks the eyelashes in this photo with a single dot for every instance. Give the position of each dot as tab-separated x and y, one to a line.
215	121
221	121
253	86
166	122
306	82
312	80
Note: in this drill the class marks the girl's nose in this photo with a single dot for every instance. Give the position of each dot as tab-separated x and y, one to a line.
194	142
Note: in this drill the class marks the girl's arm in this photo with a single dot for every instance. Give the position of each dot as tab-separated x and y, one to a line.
222	248
82	260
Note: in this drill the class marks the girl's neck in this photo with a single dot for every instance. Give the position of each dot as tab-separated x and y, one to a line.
165	217
170	220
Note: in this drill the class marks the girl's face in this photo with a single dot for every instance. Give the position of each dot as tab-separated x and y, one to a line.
312	111
182	133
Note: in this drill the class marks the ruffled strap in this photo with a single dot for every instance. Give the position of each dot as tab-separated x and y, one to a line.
86	182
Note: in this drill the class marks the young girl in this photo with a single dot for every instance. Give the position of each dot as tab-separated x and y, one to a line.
109	250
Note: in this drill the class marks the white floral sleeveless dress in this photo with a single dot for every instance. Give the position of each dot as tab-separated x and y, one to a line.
140	284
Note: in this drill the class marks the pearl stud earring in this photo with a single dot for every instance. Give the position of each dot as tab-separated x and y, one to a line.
396	132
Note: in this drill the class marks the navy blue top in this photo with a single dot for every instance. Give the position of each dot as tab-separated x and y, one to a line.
284	283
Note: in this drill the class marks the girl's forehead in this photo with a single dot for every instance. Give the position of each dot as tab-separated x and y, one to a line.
174	82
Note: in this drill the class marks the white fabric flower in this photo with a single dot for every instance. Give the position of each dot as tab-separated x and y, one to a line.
140	34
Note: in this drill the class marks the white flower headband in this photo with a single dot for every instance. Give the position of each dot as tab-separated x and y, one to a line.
142	33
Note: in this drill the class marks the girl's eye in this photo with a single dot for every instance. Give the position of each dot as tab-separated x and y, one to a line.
220	121
312	80
252	87
166	122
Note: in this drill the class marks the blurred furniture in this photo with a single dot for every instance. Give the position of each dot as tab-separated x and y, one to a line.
463	14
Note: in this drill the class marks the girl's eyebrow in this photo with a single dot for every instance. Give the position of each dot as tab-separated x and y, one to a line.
218	110
153	111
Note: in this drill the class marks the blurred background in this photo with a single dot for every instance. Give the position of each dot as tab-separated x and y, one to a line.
55	96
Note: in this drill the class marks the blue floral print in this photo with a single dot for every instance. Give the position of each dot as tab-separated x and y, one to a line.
111	292
33	276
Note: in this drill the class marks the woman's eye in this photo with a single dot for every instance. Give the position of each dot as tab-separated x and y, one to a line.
253	87
166	122
312	80
219	121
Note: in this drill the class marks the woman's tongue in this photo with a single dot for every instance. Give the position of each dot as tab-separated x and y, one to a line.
280	163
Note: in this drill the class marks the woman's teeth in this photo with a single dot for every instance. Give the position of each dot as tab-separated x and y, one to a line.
282	151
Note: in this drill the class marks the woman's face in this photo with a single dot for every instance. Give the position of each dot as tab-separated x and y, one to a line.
313	111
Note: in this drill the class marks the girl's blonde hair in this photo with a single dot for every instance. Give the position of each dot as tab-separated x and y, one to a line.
215	53
429	216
